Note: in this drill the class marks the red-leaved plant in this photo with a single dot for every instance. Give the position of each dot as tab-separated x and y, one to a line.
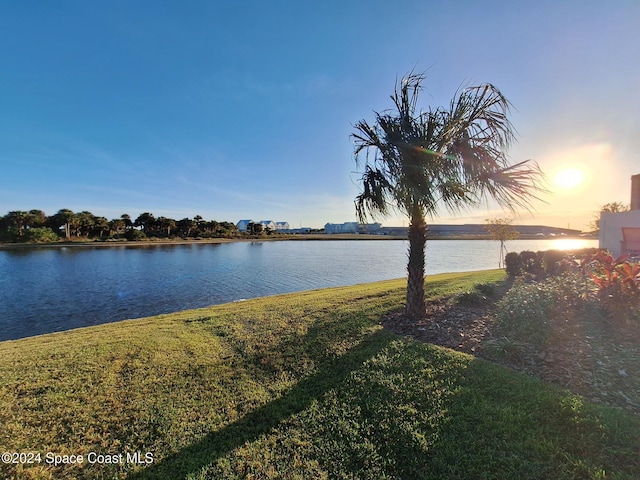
618	284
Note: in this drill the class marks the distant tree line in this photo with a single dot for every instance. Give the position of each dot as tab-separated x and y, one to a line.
36	226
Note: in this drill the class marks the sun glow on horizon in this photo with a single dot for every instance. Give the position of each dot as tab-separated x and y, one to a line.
569	178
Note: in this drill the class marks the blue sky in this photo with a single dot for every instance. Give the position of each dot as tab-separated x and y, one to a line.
244	109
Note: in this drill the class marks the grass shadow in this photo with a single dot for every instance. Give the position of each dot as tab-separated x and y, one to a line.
262	420
503	425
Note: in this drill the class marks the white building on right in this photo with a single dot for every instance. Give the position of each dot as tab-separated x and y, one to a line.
620	232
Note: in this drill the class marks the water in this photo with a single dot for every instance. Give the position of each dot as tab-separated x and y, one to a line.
51	289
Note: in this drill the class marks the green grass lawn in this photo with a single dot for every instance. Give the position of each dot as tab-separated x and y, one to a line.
304	385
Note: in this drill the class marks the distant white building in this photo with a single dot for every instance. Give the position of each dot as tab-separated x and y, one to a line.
346	227
268	225
242	225
375	228
620	232
353	227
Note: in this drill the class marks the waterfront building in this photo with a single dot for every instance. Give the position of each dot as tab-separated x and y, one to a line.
243	224
620	232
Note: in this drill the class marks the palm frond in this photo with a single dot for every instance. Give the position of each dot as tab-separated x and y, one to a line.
373	200
515	186
453	157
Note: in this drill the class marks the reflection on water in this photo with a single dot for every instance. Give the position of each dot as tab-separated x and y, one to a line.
571	243
50	289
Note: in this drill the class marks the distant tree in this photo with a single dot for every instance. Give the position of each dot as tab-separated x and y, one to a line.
417	161
254	228
37	218
66	218
127	221
165	225
228	228
185	226
17	221
86	222
17	224
501	229
214	227
205	228
147	221
4	229
100	226
116	226
613	207
225	229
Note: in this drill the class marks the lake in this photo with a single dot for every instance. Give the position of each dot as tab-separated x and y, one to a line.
45	290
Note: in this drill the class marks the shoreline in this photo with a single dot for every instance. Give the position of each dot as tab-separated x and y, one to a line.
195	311
217	241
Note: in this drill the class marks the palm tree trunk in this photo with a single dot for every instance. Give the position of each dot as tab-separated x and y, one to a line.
415	307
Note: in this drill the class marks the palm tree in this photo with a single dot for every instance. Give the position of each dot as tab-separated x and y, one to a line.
164	223
451	157
126	218
116	226
147	221
100	225
19	220
67	218
86	222
37	218
185	226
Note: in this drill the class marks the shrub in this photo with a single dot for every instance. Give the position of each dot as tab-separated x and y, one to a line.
522	263
540	264
552	262
476	297
618	285
532	263
9	235
470	299
513	264
41	235
133	234
487	289
507	349
529	310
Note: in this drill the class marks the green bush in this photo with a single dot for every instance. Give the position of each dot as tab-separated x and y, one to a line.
513	264
522	263
133	234
529	310
478	296
470	299
539	264
41	235
487	289
532	263
551	261
9	235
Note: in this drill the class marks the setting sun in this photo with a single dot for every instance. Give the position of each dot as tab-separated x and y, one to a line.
569	178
